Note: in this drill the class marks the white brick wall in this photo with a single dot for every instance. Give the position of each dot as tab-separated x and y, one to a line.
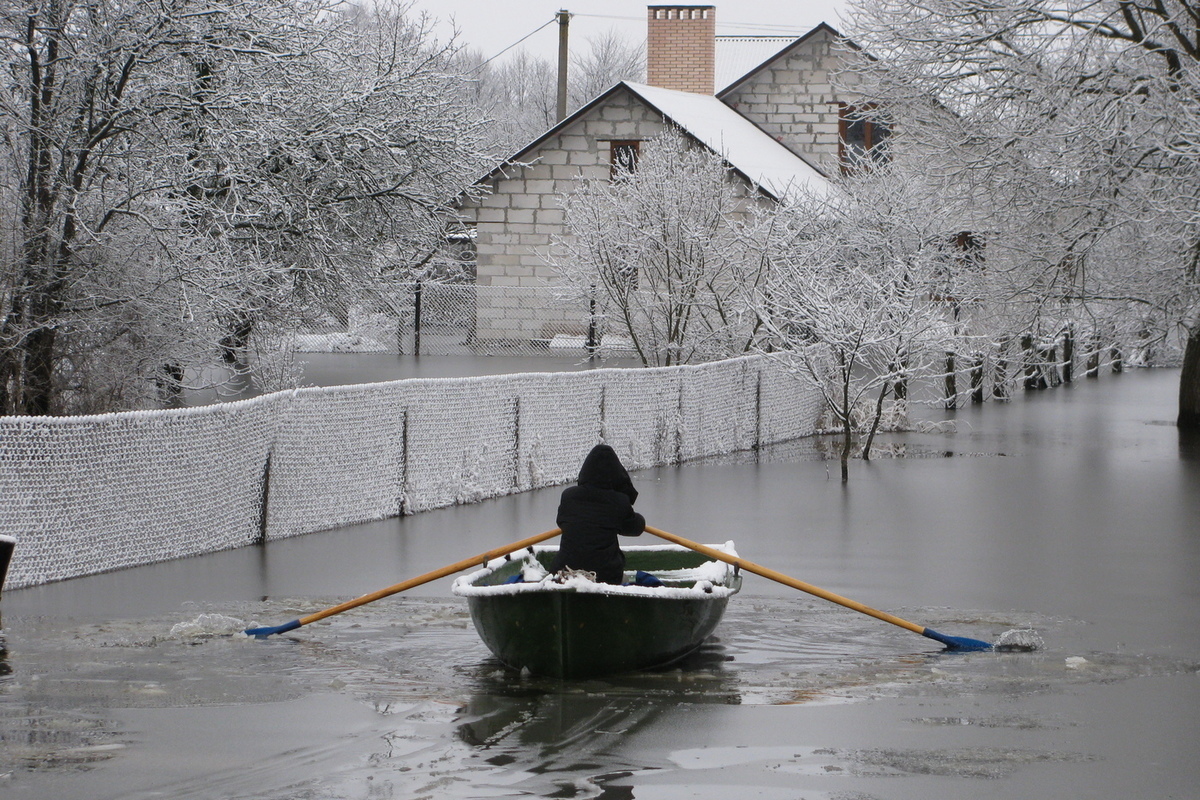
795	99
519	220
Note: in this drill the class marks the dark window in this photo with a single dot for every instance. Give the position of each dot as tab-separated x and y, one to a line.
970	248
623	156
863	139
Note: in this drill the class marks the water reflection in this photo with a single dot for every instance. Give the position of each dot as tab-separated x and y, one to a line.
1189	445
570	738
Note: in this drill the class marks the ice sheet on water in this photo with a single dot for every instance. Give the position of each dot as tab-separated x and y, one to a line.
207	625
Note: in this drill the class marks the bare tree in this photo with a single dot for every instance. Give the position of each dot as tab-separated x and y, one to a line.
668	252
187	171
607	60
520	93
856	303
1078	124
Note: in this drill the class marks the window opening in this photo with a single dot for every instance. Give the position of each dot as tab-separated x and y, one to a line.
623	156
862	139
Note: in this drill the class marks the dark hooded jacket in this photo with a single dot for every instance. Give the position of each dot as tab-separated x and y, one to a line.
593	512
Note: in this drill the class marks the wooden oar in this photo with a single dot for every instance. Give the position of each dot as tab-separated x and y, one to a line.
953	642
458	566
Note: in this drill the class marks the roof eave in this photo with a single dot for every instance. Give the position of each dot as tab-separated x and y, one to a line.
516	158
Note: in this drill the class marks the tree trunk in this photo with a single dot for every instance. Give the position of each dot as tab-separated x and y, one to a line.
1068	354
977	379
1000	378
39	373
847	441
236	340
1189	383
1093	360
950	401
883	393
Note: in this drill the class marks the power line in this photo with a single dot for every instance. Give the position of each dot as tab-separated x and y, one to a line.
550	21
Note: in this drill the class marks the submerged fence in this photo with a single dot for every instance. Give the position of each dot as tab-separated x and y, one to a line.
84	495
432	318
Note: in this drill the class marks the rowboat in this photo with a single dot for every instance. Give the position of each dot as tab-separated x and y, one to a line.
7	544
569	626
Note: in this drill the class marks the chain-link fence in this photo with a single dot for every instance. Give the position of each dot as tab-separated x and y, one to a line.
87	494
433	318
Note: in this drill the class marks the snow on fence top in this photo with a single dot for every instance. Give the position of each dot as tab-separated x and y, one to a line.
84	495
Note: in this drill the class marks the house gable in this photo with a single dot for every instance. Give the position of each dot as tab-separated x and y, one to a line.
793	97
519	216
761	125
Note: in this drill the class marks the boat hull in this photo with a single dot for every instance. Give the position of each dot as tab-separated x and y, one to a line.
592	630
7	545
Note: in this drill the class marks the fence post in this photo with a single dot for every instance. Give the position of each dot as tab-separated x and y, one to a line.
1068	374
977	379
400	331
951	382
603	412
758	410
679	424
264	500
591	330
404	506
1050	370
417	318
516	466
1000	377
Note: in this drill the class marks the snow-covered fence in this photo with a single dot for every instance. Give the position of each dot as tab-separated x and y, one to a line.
89	494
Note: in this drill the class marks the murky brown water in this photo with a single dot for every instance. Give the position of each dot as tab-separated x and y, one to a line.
1075	513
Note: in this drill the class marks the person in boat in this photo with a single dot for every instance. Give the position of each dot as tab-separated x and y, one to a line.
593	513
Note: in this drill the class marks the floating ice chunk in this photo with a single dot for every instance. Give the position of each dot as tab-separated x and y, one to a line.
1019	640
1077	662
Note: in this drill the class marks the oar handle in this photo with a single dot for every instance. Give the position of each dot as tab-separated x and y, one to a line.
449	569
957	642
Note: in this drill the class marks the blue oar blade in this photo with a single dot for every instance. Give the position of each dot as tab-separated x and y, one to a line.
262	633
956	642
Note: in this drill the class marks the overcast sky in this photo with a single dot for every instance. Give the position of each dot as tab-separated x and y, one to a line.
493	25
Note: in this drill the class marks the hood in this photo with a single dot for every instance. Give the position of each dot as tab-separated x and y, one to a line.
603	470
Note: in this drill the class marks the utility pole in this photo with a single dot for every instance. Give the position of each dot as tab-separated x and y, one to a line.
564	19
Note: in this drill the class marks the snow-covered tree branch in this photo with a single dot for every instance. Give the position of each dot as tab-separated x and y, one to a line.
179	174
857	300
1072	127
669	253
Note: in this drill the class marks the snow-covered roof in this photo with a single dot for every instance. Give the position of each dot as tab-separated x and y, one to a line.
751	151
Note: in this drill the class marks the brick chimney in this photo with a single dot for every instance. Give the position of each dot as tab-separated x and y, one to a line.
680	47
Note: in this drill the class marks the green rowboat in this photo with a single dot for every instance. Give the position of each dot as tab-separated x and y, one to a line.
569	626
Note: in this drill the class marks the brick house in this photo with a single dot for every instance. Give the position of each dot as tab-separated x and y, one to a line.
779	123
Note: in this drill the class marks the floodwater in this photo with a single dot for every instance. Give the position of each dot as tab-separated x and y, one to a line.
1073	513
